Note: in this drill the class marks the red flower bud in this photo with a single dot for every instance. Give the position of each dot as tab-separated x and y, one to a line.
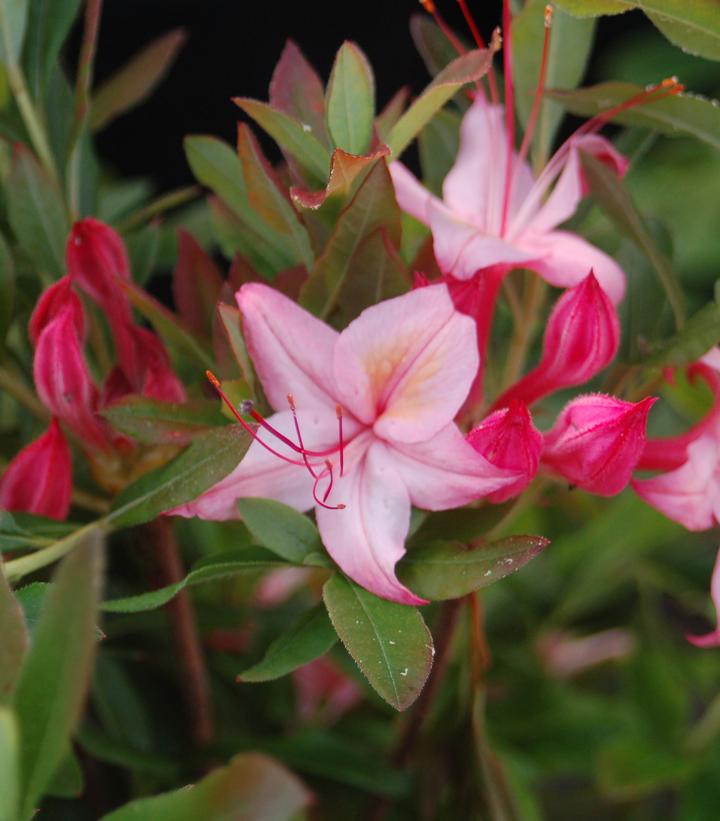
597	441
39	478
63	382
581	338
508	439
54	299
146	365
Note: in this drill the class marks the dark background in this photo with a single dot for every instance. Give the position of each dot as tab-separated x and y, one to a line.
231	50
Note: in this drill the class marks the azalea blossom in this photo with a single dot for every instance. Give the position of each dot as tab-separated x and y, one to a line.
368	428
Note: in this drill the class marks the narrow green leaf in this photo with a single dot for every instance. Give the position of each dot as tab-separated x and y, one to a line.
290	134
7	292
565	66
14	641
699	334
438	145
49	23
9	766
136	80
448	570
230	319
253	787
374	206
617	203
280	528
54	678
67	781
389	642
251	560
695	27
309	638
31	598
435	49
167	325
350	103
23	531
143	246
466	69
210	458
681	115
151	421
13	23
594	8
36	212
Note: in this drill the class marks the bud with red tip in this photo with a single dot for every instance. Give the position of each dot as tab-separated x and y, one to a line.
53	300
63	382
39	478
597	442
581	338
95	257
508	439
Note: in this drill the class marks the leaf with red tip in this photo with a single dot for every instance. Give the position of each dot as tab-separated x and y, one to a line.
136	80
296	89
292	137
350	103
448	570
196	285
466	69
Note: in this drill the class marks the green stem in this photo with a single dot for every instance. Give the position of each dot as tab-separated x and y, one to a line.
17	568
522	334
19	391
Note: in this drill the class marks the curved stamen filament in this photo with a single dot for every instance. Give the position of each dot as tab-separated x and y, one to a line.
291	402
480	42
318	500
537	101
339	414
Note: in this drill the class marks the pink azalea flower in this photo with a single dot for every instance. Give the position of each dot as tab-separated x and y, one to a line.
508	439
597	441
39	479
581	338
373	432
711	639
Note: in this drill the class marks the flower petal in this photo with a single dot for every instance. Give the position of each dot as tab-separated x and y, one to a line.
462	249
264	475
407	364
690	494
292	350
411	195
446	471
564	259
367	538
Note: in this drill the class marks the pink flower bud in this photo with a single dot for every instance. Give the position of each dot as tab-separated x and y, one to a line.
581	339
95	256
597	441
39	478
153	376
63	382
508	439
54	299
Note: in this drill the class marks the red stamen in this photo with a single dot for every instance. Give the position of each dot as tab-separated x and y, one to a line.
339	414
537	101
216	384
328	465
509	111
321	502
480	43
291	402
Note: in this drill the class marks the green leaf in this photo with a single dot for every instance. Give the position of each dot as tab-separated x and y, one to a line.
49	23
617	203
9	766
167	325
438	144
230	319
143	246
210	458
466	524
13	22
309	638
23	531
565	65
252	787
350	101
152	422
290	134
449	570
632	768
36	212
389	642
31	598
68	781
695	27
677	116
373	207
435	49
7	292
54	678
136	80
594	8
228	564
280	528
699	334
14	642
466	69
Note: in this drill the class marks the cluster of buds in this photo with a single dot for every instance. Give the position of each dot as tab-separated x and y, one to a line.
39	479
